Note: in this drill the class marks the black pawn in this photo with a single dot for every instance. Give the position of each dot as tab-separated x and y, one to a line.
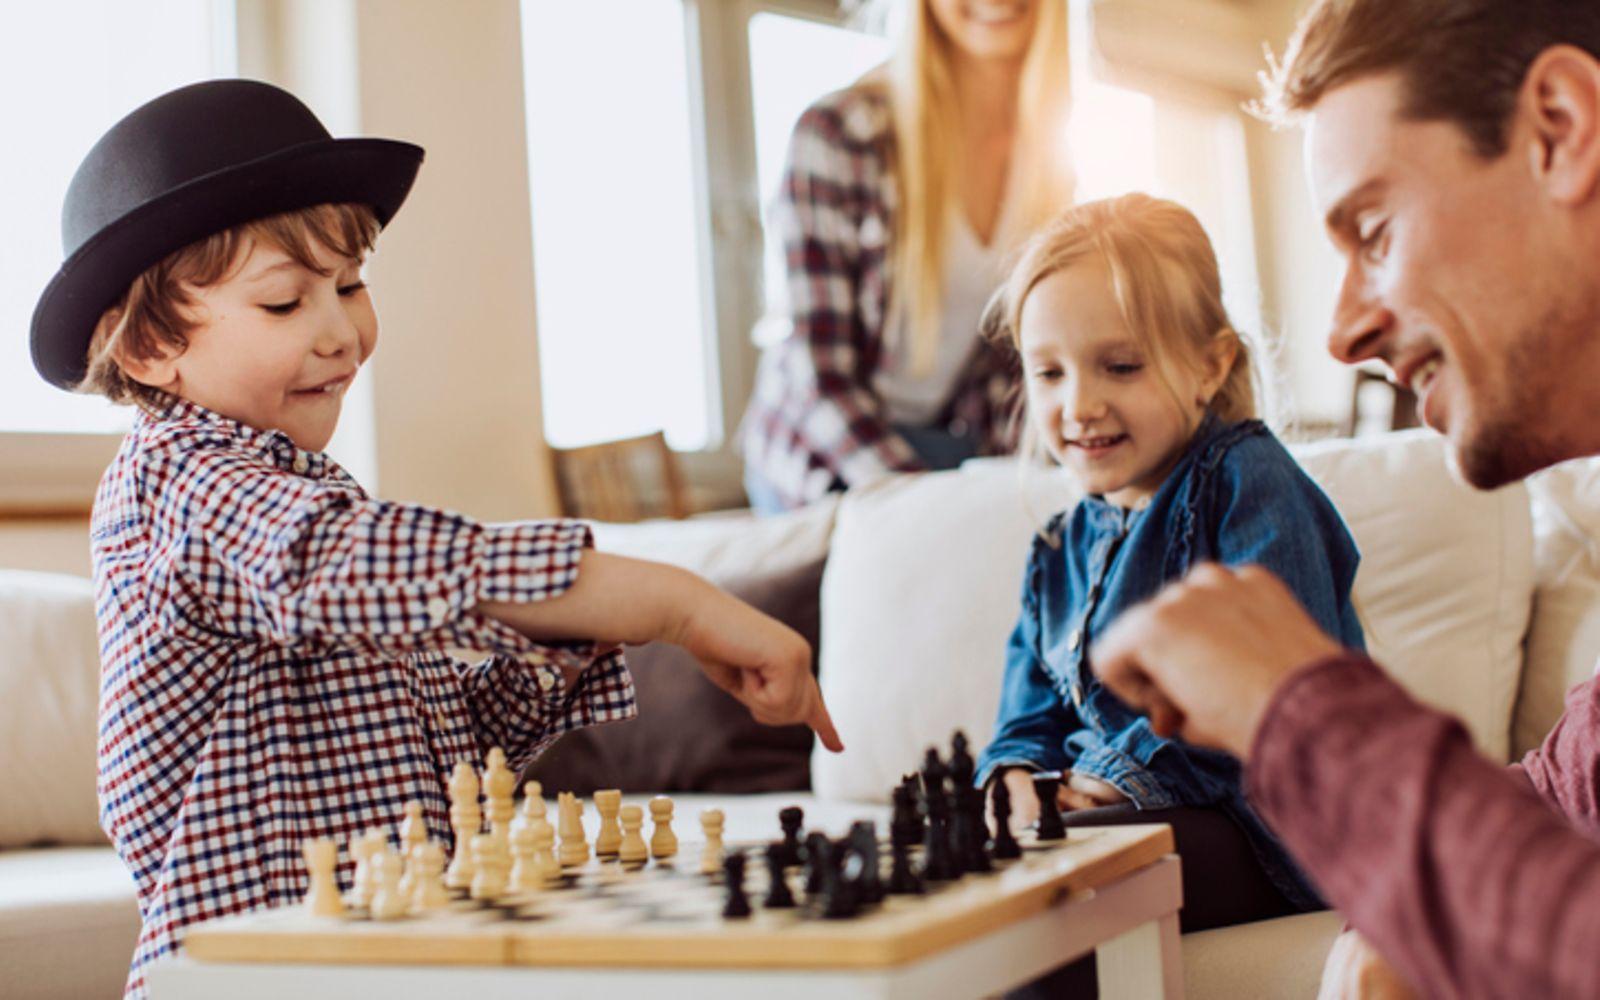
778	895
817	854
1050	826
791	819
738	905
912	784
1004	846
939	863
864	841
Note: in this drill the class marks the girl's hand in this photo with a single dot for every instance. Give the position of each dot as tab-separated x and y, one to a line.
757	659
1079	791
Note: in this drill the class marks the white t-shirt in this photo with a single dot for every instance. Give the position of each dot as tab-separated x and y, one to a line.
972	272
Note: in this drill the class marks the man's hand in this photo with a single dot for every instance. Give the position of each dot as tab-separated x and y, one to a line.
1204	656
757	659
1355	971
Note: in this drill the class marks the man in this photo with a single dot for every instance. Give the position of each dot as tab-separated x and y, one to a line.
1454	148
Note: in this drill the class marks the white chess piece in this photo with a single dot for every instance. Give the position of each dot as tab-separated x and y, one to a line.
633	849
574	848
544	850
663	843
322	899
711	821
364	848
387	901
428	890
489	878
465	820
609	835
499	785
533	806
525	877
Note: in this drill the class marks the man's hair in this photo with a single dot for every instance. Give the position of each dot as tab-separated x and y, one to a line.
1459	61
154	315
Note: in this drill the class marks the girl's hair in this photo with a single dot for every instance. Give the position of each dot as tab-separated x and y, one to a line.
154	315
1164	280
924	105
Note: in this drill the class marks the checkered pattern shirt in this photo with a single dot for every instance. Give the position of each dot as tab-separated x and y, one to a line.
274	662
814	423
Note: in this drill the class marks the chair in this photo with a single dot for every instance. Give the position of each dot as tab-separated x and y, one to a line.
619	481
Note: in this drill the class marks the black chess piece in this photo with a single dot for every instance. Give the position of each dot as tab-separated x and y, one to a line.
1050	825
738	904
864	840
1004	846
903	879
843	872
938	861
791	819
817	855
967	833
778	895
912	783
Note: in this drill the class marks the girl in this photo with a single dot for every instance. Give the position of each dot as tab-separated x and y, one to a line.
902	197
1137	383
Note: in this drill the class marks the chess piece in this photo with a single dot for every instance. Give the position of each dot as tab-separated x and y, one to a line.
364	848
631	849
489	875
711	821
533	806
322	899
912	783
574	848
903	879
465	822
1004	846
414	830
499	785
841	869
544	851
1050	825
663	843
738	904
525	875
817	855
778	895
790	820
428	891
864	841
609	836
967	831
938	863
388	903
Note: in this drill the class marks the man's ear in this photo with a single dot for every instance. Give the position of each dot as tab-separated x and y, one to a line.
1560	99
158	371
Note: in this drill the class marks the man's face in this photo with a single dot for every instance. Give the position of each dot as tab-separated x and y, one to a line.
1457	277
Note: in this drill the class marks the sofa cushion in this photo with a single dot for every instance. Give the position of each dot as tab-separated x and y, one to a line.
68	922
690	735
1563	645
922	585
49	686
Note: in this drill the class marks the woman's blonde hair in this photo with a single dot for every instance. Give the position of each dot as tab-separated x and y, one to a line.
925	109
154	315
1165	282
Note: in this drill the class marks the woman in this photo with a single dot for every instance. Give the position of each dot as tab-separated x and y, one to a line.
902	198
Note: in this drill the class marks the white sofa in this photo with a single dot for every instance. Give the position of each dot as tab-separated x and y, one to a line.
1486	604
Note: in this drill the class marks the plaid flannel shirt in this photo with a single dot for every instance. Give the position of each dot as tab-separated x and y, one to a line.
814	423
275	668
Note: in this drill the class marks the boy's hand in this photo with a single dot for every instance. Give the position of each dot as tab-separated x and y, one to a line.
1355	971
757	659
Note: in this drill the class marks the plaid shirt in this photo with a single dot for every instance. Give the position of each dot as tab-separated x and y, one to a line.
273	643
814	423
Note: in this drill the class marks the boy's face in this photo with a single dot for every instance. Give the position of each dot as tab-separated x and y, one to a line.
276	345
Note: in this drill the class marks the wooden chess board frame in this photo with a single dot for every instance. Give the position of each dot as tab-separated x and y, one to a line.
1113	890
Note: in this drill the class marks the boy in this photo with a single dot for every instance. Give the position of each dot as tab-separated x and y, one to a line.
274	640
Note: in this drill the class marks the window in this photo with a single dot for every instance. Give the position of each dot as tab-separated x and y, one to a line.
617	275
97	60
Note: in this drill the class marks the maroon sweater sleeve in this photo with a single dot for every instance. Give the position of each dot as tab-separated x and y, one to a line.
1451	866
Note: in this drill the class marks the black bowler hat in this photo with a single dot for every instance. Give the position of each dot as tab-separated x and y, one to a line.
191	163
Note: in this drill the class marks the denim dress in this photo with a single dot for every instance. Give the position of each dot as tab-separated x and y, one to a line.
1235	497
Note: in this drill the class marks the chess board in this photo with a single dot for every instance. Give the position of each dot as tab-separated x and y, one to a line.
668	915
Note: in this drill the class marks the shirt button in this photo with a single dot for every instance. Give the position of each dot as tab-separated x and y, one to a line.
438	609
300	464
547	680
1075	639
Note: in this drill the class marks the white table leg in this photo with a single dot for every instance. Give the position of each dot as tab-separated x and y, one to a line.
1146	962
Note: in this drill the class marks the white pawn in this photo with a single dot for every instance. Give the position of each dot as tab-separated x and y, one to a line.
525	876
663	843
364	848
633	850
609	835
545	864
465	820
489	879
387	901
574	848
711	855
428	890
322	899
414	830
532	802
499	785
